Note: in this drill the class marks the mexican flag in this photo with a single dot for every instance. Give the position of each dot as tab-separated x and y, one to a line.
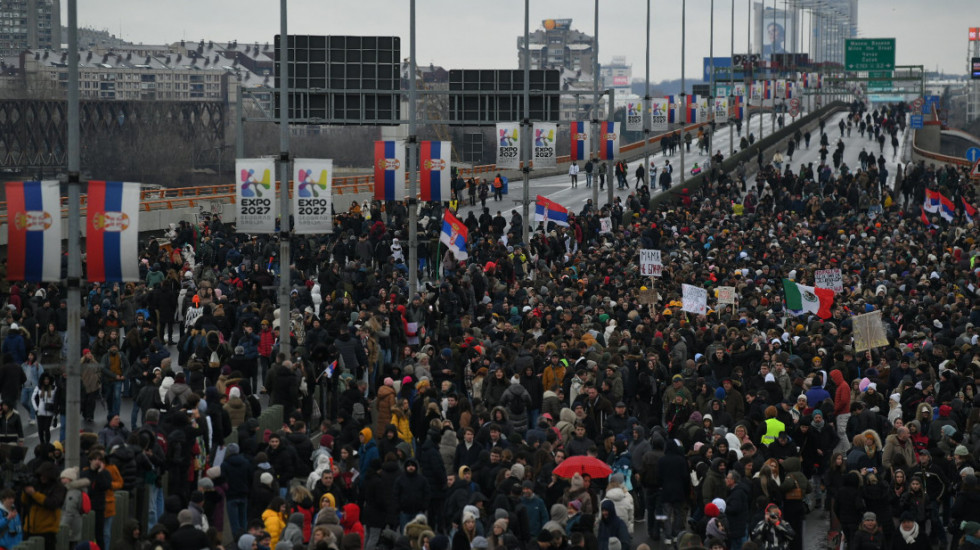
807	298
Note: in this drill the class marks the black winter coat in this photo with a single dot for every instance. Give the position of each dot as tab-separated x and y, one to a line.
674	475
412	493
433	468
237	471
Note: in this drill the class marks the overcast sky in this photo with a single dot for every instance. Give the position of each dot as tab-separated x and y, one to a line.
479	34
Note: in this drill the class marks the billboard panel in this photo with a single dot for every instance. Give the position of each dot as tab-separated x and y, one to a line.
775	31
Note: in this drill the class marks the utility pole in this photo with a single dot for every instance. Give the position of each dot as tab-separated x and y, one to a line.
412	158
284	225
526	128
596	134
683	118
72	366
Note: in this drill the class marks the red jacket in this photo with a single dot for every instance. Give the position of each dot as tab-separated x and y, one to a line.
267	339
842	397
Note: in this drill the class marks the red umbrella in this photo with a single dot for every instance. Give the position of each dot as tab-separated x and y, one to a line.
583	464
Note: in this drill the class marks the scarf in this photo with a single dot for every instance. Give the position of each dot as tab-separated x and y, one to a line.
817	425
911	534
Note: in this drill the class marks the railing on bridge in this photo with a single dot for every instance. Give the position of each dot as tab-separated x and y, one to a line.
191	197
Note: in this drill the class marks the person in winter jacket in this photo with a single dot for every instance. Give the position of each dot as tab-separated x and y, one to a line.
293	533
622	500
869	535
237	471
41	505
772	533
351	522
537	513
675	487
71	512
610	525
11	530
412	492
274	521
517	401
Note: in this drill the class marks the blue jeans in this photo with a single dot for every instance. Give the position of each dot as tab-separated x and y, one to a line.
107	531
156	504
137	414
238	515
112	392
25	400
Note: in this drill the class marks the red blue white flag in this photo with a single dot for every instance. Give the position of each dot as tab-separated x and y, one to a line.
767	89
112	231
547	210
968	210
691	108
947	210
33	231
931	203
581	144
389	170
671	109
454	234
609	142
435	178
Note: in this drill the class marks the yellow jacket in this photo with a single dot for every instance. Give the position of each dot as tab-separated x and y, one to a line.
274	525
773	428
401	423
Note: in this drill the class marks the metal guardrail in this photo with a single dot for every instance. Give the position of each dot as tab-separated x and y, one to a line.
191	197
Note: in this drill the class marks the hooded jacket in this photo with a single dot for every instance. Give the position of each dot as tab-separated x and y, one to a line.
42	510
623	501
842	396
351	522
673	471
293	533
610	525
71	512
412	490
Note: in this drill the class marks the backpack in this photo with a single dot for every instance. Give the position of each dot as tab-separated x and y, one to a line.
517	405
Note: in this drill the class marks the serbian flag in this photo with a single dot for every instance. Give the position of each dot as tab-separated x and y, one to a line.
931	204
924	218
609	144
434	176
454	235
389	170
112	231
547	210
580	140
739	107
806	81
767	89
969	211
946	208
816	300
671	109
33	231
691	108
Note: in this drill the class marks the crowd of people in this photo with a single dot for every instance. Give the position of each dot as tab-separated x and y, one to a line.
435	417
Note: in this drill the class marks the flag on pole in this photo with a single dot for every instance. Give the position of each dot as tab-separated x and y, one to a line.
454	234
691	108
579	131
671	109
814	300
931	204
435	158
968	210
767	89
389	170
33	231
739	112
547	210
112	231
946	208
609	140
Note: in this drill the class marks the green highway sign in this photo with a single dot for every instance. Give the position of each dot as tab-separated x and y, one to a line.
880	84
869	54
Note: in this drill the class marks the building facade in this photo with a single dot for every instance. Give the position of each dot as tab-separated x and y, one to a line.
29	24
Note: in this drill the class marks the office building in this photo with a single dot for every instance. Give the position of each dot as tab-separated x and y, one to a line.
29	25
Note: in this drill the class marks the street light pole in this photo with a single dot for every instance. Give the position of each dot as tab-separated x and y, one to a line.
596	137
526	133
284	170
731	87
646	110
681	144
412	158
72	366
711	65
